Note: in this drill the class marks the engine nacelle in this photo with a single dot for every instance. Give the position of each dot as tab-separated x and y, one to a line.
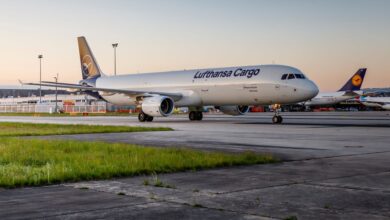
158	106
234	109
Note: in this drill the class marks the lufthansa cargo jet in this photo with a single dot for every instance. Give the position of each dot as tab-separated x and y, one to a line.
232	89
350	90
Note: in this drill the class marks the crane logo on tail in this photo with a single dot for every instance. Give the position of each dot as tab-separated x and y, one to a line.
87	66
357	80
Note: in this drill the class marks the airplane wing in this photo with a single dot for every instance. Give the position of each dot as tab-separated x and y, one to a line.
49	82
375	102
174	96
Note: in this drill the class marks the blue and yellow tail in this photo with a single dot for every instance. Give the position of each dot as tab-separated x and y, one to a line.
89	67
355	82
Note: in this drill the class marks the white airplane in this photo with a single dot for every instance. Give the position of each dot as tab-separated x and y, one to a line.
230	89
350	90
382	102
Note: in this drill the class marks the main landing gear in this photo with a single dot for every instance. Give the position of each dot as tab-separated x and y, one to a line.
142	117
277	119
195	115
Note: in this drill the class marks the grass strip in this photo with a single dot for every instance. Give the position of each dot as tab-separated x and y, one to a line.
30	162
8	129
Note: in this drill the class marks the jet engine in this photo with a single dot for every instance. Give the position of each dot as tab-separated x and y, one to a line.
234	109
158	106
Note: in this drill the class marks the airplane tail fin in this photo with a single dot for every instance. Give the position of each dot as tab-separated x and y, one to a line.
355	82
89	67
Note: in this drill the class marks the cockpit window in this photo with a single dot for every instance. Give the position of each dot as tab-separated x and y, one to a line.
291	76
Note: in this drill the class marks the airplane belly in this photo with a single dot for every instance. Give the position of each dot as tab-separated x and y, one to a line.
190	98
118	99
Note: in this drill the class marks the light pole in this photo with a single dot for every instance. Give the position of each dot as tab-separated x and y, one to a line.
56	109
115	45
40	77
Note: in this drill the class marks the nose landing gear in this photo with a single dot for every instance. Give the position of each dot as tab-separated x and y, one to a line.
277	119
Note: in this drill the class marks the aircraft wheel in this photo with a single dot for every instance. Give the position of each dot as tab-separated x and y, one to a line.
149	118
275	119
142	117
192	116
280	119
199	116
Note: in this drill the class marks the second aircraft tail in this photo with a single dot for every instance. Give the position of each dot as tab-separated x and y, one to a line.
355	82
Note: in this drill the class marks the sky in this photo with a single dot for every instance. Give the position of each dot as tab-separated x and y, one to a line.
328	40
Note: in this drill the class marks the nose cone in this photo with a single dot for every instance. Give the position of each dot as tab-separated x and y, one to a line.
310	90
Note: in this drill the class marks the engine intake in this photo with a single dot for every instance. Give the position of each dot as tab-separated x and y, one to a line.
234	109
158	106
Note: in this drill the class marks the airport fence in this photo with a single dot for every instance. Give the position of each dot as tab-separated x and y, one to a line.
85	108
36	108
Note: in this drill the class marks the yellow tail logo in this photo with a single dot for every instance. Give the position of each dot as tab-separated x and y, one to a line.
89	66
357	80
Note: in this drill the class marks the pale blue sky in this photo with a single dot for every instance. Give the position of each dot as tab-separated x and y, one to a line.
328	40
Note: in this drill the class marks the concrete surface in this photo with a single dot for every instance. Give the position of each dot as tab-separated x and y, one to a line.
337	167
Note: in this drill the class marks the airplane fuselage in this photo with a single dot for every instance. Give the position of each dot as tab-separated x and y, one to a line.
248	85
329	98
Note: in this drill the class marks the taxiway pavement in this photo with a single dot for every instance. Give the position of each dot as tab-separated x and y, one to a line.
336	166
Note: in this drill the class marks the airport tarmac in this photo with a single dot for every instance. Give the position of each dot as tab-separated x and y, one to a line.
336	166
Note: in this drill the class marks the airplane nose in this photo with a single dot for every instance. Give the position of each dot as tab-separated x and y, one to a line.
313	90
310	90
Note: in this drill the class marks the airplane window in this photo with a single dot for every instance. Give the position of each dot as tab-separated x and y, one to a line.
291	76
284	76
303	76
298	76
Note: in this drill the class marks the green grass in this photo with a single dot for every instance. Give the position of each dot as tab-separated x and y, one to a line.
30	162
29	129
157	182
